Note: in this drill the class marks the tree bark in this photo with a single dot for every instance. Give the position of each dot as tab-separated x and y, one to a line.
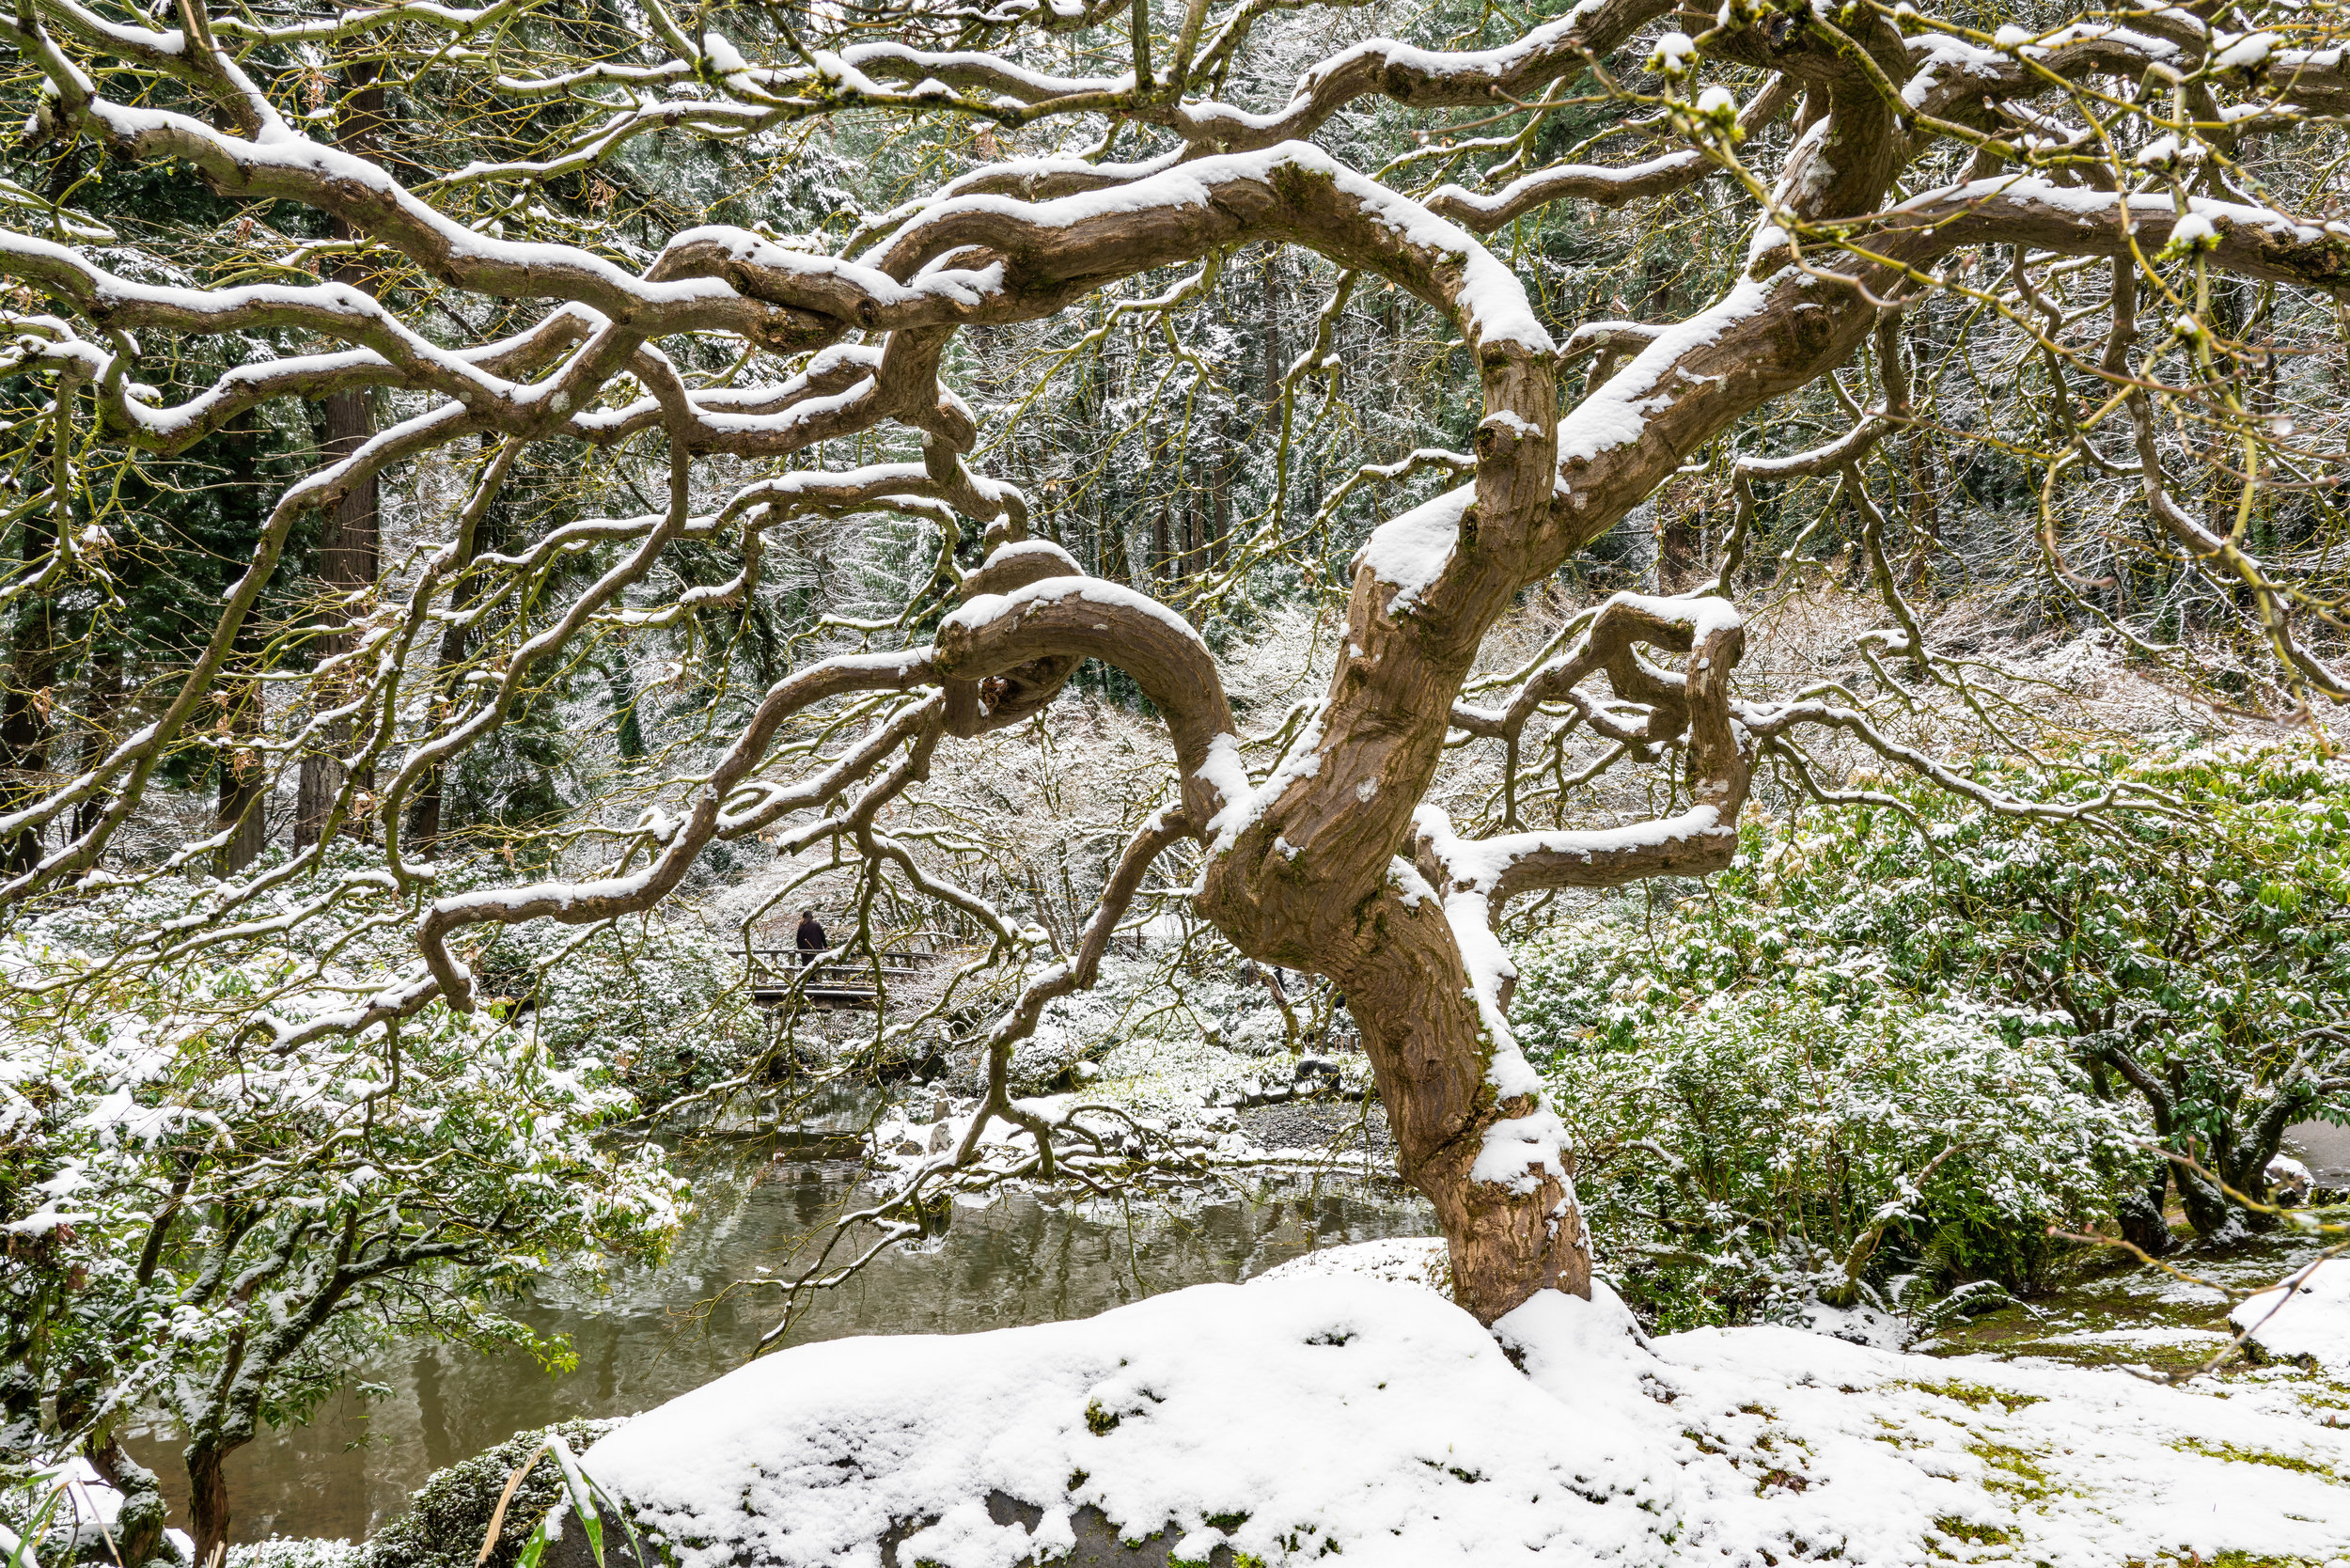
2142	1223
348	535
1310	884
1275	363
1220	485
1679	548
24	707
347	560
427	817
1407	993
1196	543
99	702
241	776
207	1499
139	1528
2207	1207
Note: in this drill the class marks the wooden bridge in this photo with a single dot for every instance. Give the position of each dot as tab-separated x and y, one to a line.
781	978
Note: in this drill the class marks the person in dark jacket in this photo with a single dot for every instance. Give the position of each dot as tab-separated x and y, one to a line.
811	939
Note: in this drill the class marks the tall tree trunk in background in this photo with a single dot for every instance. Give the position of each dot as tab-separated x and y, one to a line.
1162	546
1196	543
426	816
1219	537
1925	513
242	774
99	706
348	547
1676	549
1275	363
24	707
1221	484
1679	546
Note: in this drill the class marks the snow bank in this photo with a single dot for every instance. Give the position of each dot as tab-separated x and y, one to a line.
2306	1315
1298	1417
1420	1261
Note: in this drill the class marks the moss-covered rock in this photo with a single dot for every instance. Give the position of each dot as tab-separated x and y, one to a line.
450	1512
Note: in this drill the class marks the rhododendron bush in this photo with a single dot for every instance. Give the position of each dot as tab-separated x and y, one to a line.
1966	1027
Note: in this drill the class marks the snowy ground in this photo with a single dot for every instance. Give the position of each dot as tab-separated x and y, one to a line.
1323	1410
2306	1317
1321	1122
2175	1319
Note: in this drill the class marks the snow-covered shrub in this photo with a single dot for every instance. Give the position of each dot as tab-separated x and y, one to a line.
2172	961
213	1223
292	1551
658	998
449	1515
1744	1153
1172	1029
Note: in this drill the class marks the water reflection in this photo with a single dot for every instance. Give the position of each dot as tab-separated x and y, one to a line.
645	1336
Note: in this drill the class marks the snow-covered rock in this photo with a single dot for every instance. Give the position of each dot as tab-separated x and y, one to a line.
2289	1180
2308	1315
1297	1417
1420	1261
89	1511
1860	1325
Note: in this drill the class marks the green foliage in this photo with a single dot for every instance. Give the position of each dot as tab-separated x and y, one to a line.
210	1225
658	1000
1799	1031
2195	952
1745	1152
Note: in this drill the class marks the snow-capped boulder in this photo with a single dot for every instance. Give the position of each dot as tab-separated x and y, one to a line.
1298	1418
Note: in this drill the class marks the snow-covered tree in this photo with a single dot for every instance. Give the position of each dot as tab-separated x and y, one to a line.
644	308
202	1225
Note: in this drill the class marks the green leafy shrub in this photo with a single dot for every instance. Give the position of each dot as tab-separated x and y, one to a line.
2168	971
217	1224
658	998
1744	1153
2196	951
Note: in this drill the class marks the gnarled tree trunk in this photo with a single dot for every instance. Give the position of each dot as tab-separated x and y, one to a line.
207	1499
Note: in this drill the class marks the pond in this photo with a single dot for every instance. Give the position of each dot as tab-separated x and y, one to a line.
644	1336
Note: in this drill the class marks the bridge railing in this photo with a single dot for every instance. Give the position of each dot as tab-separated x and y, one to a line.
782	971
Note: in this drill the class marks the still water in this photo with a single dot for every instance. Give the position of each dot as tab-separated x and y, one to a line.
648	1335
